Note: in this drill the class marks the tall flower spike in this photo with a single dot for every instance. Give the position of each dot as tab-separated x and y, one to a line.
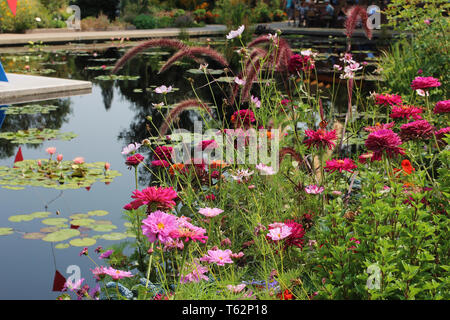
353	15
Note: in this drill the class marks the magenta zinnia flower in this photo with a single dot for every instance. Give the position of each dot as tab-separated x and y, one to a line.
246	116
440	134
425	83
220	257
442	107
320	138
162	197
379	126
296	236
163	153
340	165
388	99
416	130
406	112
299	63
160	163
158	226
134	160
314	189
205	143
384	141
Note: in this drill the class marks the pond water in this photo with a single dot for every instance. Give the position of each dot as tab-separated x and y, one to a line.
105	121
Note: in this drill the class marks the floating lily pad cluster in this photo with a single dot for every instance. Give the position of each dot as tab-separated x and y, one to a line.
116	77
29	109
57	175
71	231
97	68
208	71
36	136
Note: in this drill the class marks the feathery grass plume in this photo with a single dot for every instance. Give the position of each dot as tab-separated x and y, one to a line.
354	14
192	52
283	53
171	43
175	112
290	151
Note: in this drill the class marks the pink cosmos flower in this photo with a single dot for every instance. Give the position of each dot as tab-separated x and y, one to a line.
236	33
442	107
279	233
72	286
158	226
239	81
78	160
50	150
188	231
163	89
106	254
388	99
134	160
255	101
236	289
406	112
265	170
242	175
384	141
340	165
162	197
422	93
320	138
210	212
237	255
416	130
131	148
98	272
196	272
425	83
220	257
379	126
314	189
117	274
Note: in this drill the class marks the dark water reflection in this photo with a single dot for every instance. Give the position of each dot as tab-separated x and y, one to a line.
113	116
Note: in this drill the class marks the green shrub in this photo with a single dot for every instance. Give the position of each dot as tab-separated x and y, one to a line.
185	21
144	21
165	21
26	14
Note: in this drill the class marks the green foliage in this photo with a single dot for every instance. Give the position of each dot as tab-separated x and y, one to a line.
144	21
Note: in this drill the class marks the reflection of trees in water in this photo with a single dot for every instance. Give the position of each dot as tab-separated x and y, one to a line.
52	120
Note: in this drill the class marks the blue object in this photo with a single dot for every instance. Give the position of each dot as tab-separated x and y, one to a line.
2	114
2	74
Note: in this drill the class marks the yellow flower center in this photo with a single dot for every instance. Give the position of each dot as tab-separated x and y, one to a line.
160	226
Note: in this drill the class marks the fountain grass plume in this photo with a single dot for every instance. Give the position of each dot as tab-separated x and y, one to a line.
353	14
290	151
175	112
171	43
193	52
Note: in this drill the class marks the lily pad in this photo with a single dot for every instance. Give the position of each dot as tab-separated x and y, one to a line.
82	222
29	109
61	235
40	214
62	246
36	136
50	229
208	71
79	216
20	218
54	221
103	227
98	213
114	236
6	231
116	77
33	235
82	242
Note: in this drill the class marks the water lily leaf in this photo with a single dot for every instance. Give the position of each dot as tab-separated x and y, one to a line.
36	136
50	229
114	236
104	222
20	218
12	188
30	109
128	225
33	235
61	235
54	221
208	71
62	246
79	216
6	231
99	213
42	214
104	227
82	222
82	242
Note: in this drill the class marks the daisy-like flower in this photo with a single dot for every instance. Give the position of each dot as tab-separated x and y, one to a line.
320	138
158	226
265	170
195	274
416	130
236	33
388	99
340	165
162	197
239	81
158	105
117	274
83	252
219	257
425	83
131	148
379	126
242	175
163	89
187	231
98	272
134	160
210	212
279	233
314	189
237	288
442	107
106	254
406	112
384	141
337	67
72	286
347	58
255	101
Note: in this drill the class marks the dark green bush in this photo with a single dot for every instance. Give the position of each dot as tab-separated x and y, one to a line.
144	21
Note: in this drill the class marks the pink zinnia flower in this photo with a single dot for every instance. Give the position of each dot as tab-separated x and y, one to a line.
196	272
364	157
279	233
314	189
210	212
320	138
134	160
160	163
388	99
78	160
379	126
440	134
117	274
246	116
162	197
340	165
205	143
158	226
296	236
50	150
299	63
220	257
442	107
416	130
425	83
384	141
163	153
406	112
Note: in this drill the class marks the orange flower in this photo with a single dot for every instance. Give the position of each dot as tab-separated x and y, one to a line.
407	167
218	164
177	167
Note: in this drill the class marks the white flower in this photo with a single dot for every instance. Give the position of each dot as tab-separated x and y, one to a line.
313	189
337	67
255	101
38	19
307	53
236	33
265	170
242	175
272	37
239	81
163	89
203	67
131	148
422	93
158	105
